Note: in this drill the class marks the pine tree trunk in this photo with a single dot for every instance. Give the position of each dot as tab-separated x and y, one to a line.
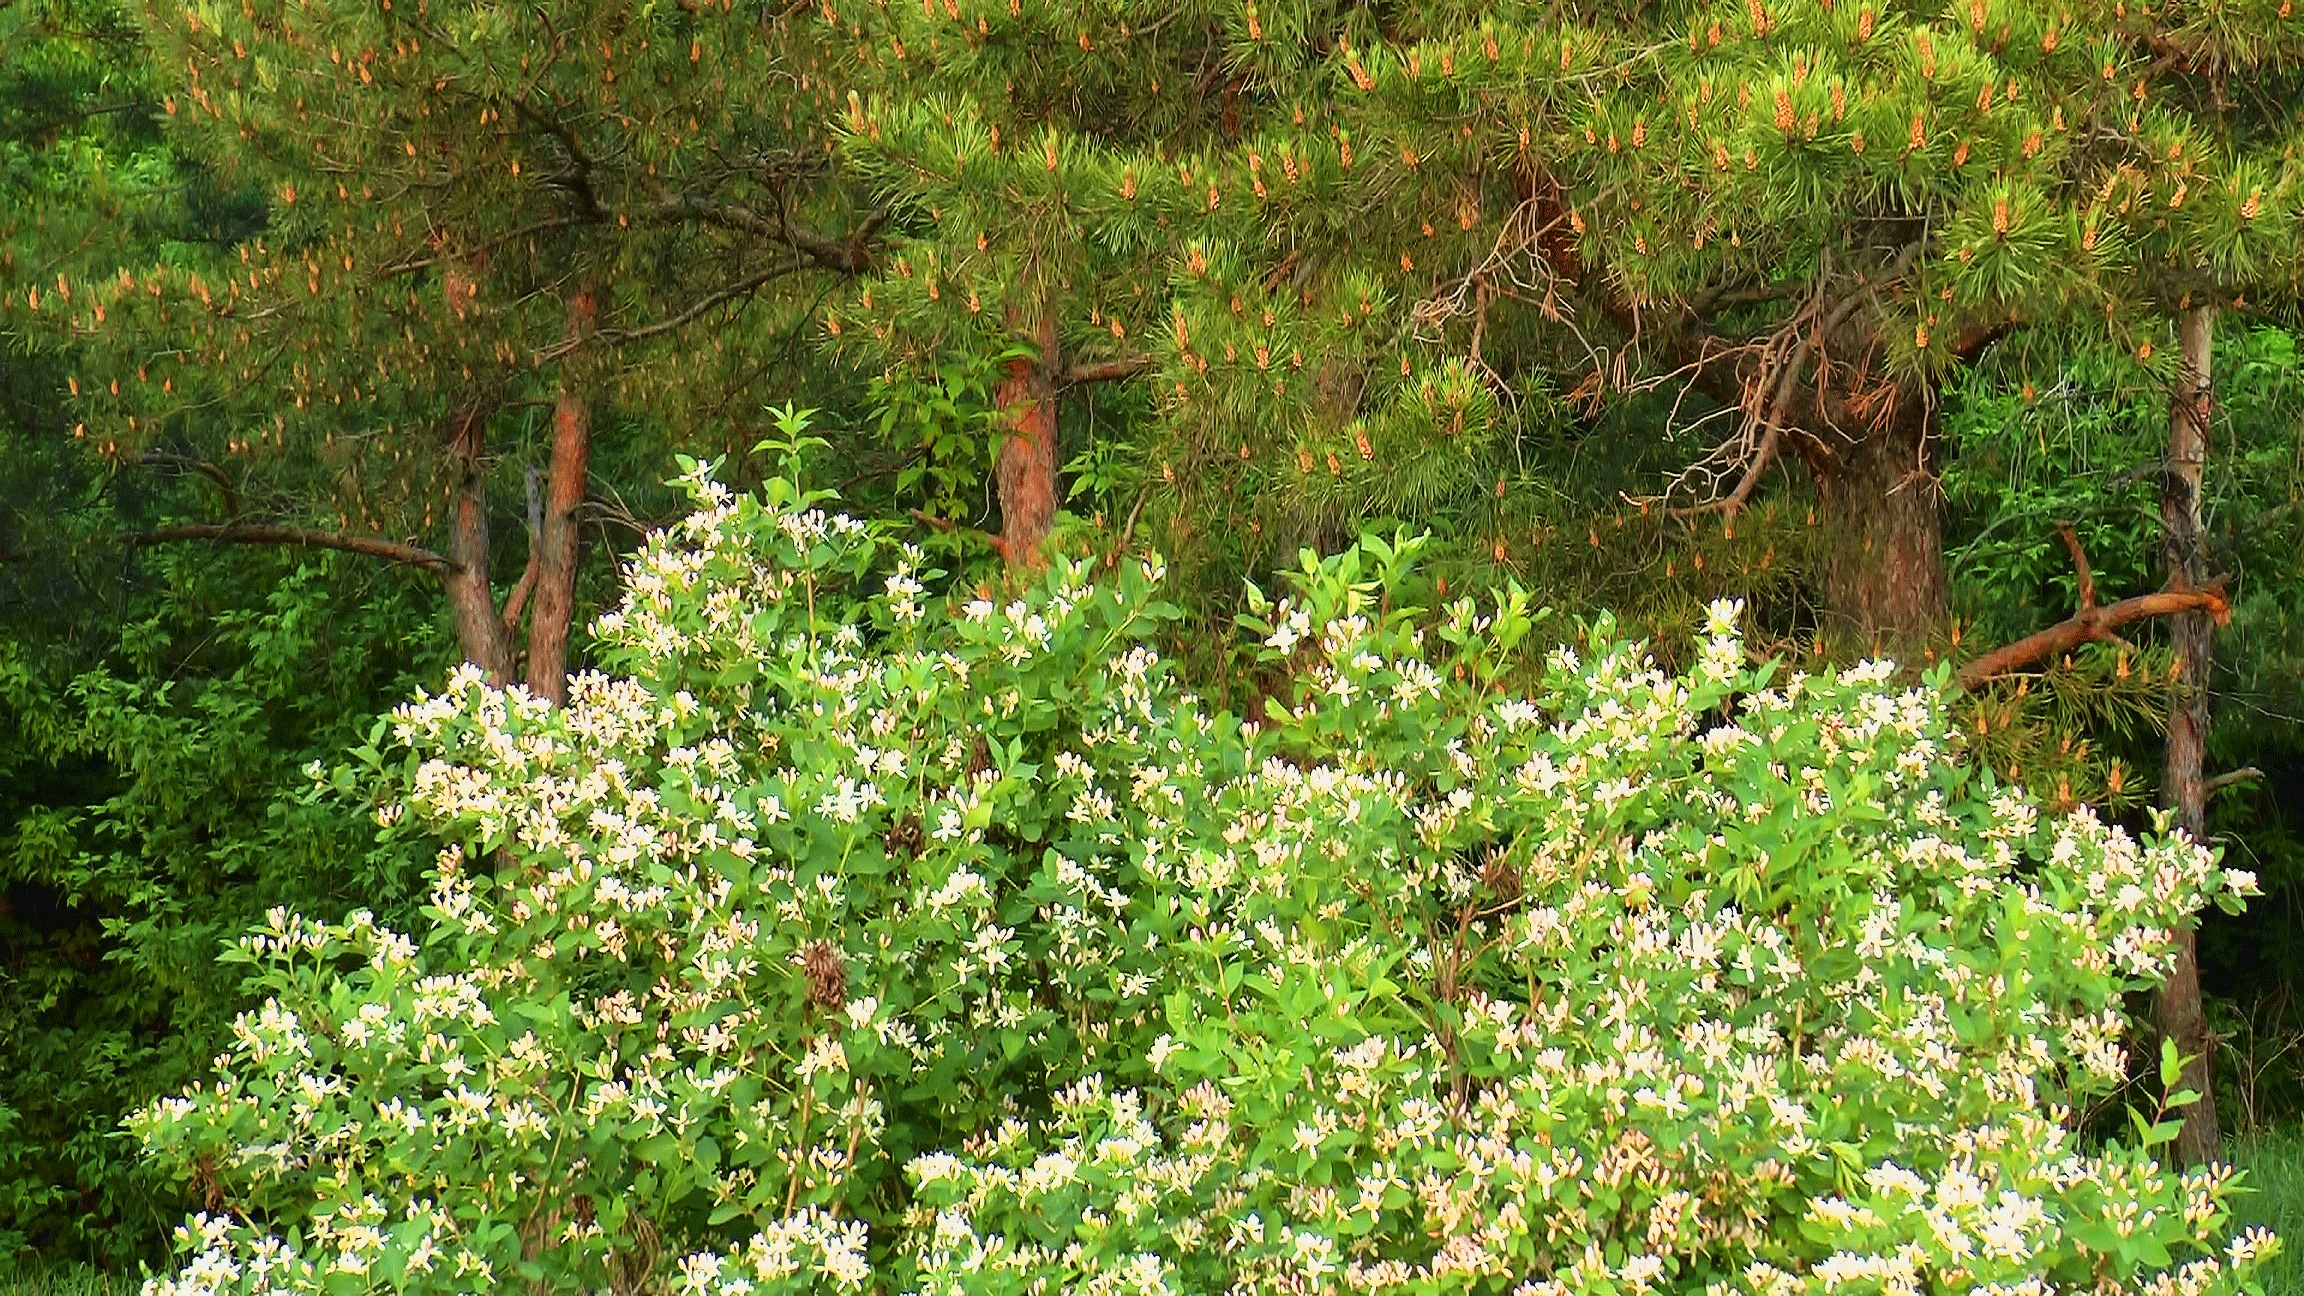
1884	579
1027	469
2183	790
552	608
478	628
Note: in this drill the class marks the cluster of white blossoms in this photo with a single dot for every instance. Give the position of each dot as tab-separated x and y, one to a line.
843	935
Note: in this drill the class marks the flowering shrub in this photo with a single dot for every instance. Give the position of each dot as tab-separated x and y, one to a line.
843	937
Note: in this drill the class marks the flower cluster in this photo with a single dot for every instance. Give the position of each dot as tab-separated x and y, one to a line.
842	936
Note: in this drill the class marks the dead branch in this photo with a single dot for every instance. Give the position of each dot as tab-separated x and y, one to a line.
1104	370
1127	532
2231	778
266	533
206	469
744	287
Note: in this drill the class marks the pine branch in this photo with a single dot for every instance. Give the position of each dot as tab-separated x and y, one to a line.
237	532
851	255
577	180
481	248
2091	623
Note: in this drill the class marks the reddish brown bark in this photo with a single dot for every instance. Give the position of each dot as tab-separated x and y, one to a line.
552	606
1026	473
2092	624
470	600
2179	1013
1883	578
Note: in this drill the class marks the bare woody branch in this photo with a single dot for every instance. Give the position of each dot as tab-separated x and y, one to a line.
2232	778
744	287
223	480
2080	565
2091	623
302	537
1104	371
852	254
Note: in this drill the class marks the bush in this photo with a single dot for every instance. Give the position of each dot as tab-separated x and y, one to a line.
846	936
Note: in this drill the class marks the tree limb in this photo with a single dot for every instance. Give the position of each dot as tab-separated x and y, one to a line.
265	533
1726	298
1127	532
206	469
1971	344
741	288
479	249
2245	774
2079	564
851	255
577	180
2091	623
1104	370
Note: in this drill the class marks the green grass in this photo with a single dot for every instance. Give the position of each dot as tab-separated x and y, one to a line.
2275	1165
64	1282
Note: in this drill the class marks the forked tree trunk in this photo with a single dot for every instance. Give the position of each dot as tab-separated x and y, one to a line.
2183	790
486	642
552	608
1026	473
1883	578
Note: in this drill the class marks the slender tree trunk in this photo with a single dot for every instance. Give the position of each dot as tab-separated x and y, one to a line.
1027	469
481	632
552	607
1884	578
2183	790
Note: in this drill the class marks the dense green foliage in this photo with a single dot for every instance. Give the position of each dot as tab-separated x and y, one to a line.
155	802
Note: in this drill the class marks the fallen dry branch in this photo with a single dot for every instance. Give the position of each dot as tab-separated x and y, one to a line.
2092	623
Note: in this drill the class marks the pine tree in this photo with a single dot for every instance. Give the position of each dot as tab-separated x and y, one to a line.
1331	236
468	211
